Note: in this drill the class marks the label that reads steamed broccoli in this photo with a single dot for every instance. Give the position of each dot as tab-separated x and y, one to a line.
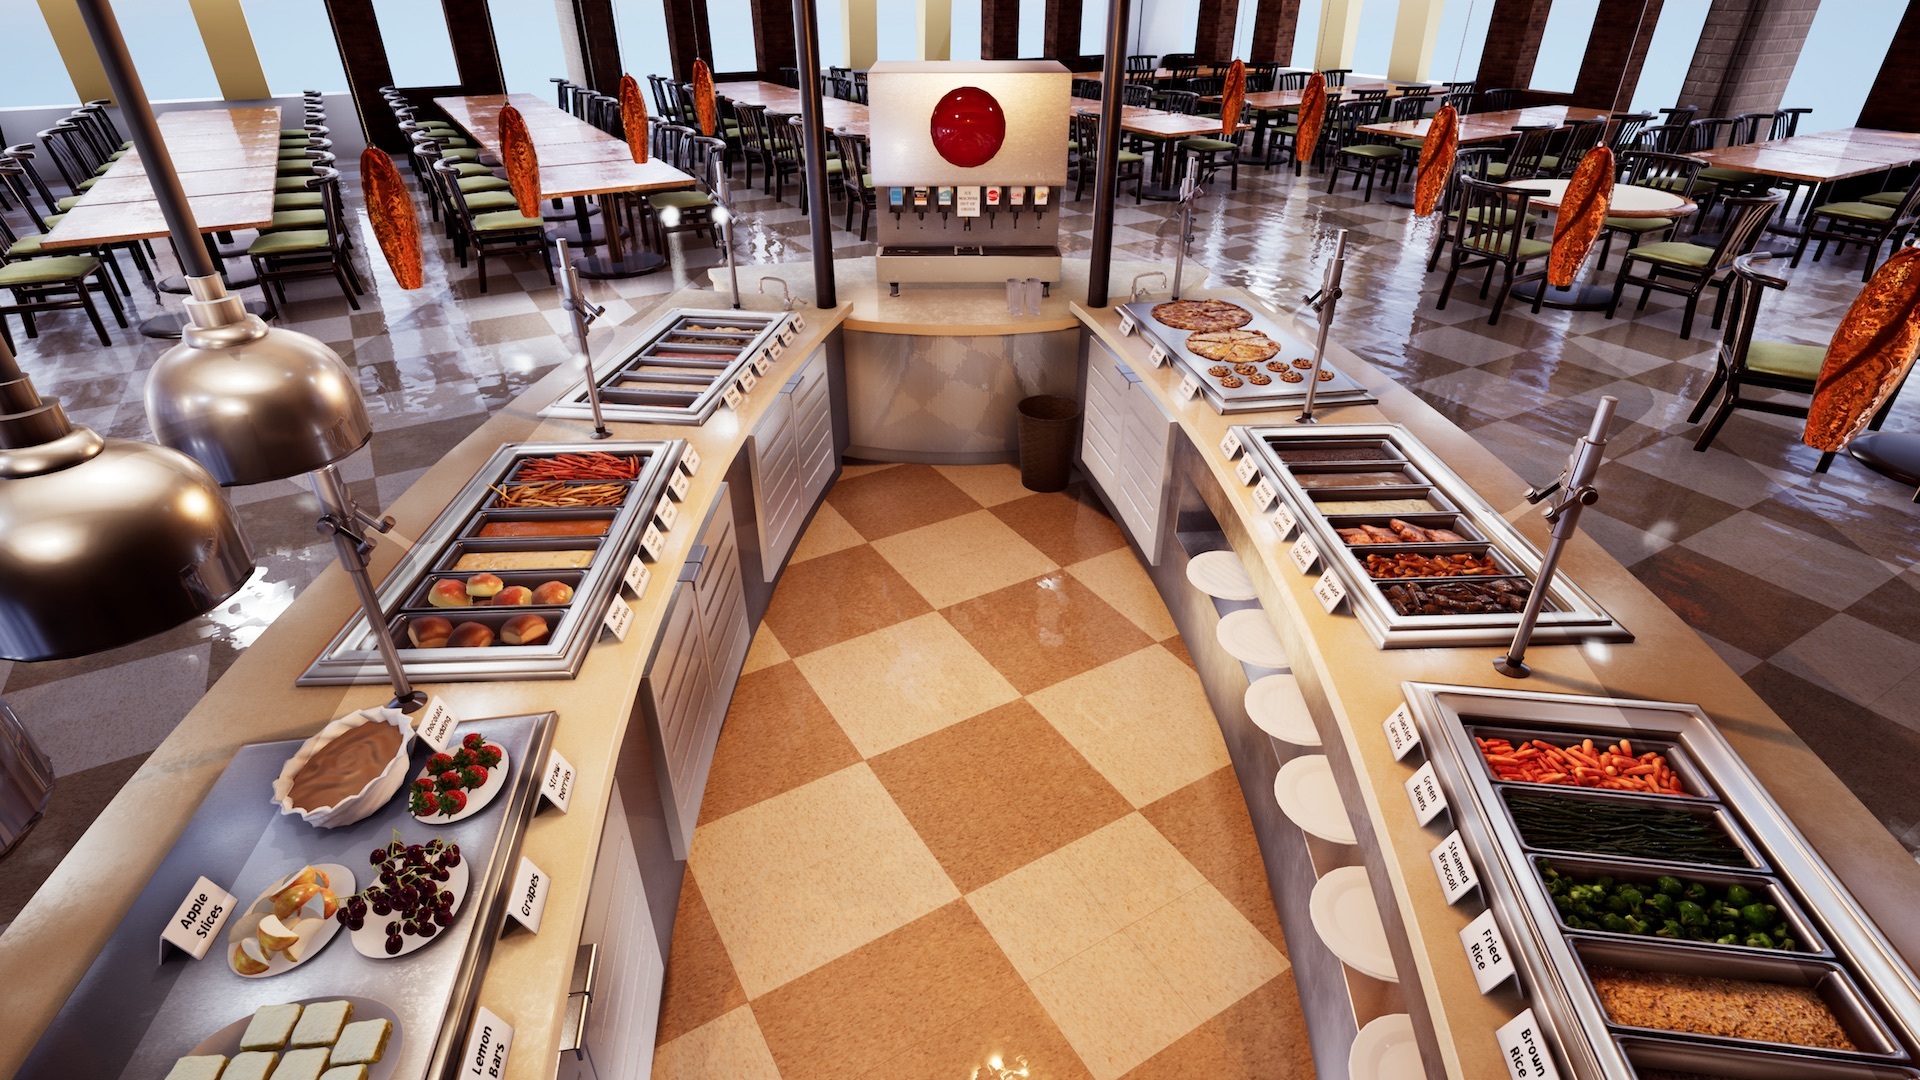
1454	868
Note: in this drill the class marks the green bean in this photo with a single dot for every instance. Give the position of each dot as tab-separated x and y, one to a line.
1619	828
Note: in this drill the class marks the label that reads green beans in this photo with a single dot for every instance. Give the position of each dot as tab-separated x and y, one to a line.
1605	827
1675	908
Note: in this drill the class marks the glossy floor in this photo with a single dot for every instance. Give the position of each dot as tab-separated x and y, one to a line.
971	812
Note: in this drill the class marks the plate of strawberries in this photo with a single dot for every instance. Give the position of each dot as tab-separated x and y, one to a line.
455	786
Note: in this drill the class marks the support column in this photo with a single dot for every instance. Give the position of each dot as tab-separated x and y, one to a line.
1611	67
1339	29
76	49
1415	32
1213	34
772	37
936	29
999	29
687	38
223	27
1513	43
598	44
1061	38
475	57
1274	24
1746	55
357	32
1894	101
860	31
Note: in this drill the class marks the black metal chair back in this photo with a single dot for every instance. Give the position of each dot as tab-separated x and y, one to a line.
1406	108
1523	159
1337	76
1668	172
1750	128
1291	80
1575	143
60	149
1139	94
1183	102
1207	86
1142	65
1624	128
23	154
1662	138
1746	220
1260	77
1343	123
1492	218
1499	100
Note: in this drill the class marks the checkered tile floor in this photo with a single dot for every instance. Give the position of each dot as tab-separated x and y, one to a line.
970	809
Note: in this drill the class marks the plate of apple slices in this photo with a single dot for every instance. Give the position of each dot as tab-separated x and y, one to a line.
455	786
288	923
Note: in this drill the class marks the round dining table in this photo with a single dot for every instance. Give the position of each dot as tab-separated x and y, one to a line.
1629	201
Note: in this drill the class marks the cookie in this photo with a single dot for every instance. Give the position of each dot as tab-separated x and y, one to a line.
1232	382
1245	369
1326	374
1259	378
1219	370
1304	363
1275	365
1292	376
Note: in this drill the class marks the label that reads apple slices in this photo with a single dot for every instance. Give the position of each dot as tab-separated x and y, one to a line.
1157	356
1263	494
1188	388
1127	324
1230	445
1524	1046
1402	736
732	396
651	542
1423	790
1283	520
435	724
527	899
488	1041
196	924
637	576
678	486
1330	591
619	618
1246	470
690	461
1304	554
556	784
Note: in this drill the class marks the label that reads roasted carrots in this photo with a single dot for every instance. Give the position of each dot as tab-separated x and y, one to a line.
1486	951
1402	736
1423	790
1454	869
1524	1046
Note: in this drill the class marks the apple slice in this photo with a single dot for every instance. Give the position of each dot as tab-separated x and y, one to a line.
294	897
244	927
275	936
249	958
308	930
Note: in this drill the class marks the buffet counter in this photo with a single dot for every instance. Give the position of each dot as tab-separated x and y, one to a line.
526	981
1352	686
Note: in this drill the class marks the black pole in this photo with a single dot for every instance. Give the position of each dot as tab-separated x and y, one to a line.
1107	168
806	44
195	260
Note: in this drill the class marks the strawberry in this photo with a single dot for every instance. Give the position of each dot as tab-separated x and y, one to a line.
473	776
449	780
474	740
423	783
452	802
490	755
440	762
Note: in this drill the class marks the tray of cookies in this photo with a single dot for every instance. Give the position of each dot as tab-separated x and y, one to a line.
1241	359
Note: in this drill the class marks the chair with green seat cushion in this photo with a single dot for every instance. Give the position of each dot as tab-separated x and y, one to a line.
1210	155
51	284
854	149
281	255
285	220
488	202
1688	269
487	233
1489	231
1351	150
296	200
1884	198
1523	157
1086	127
1646	168
459	155
1869	224
1469	161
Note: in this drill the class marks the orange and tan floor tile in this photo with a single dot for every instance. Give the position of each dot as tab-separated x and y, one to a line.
971	817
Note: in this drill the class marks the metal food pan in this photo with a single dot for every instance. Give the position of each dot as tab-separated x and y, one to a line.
492	501
1326	500
1704	1059
1682	763
664	399
490	617
1505	565
417	600
1439	519
1776	892
1303	474
1723	820
1419	618
520	465
606	514
1836	989
1382	450
450	555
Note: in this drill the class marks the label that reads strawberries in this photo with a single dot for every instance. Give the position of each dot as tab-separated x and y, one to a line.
556	784
434	726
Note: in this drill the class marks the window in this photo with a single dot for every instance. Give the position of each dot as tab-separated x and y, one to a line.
1243	30
1563	44
1373	45
164	40
1306	34
419	52
730	32
295	42
528	37
1033	28
833	36
34	74
896	31
641	28
1093	28
1167	26
966	30
1669	55
1463	32
1842	56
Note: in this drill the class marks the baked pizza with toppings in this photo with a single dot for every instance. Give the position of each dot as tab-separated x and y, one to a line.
1202	315
1233	346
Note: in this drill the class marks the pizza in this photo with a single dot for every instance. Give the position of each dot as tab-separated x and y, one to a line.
1202	315
1233	346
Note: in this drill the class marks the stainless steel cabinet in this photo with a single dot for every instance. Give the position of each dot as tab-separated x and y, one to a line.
614	1007
1125	442
792	460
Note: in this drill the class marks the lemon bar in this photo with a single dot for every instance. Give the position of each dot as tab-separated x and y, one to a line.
251	1065
270	1027
362	1042
203	1067
320	1024
305	1064
345	1072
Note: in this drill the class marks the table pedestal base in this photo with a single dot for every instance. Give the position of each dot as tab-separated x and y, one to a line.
1576	297
1400	198
1895	455
632	264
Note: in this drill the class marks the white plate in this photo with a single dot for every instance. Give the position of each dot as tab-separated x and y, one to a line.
477	799
1276	707
1308	796
226	1041
1249	638
1385	1050
339	879
1221	574
1346	920
371	938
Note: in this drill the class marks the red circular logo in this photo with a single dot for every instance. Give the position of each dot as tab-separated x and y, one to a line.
968	127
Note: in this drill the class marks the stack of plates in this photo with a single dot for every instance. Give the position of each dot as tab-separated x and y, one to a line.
1346	920
1249	638
1220	574
1276	707
1309	797
1385	1050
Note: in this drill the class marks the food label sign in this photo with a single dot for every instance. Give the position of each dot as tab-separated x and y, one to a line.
1424	791
731	395
527	901
637	575
1304	554
1263	494
195	925
1487	952
1127	324
690	461
1188	388
666	513
619	619
1330	591
677	487
1157	356
1283	520
1246	470
1230	446
487	1044
435	725
1402	736
651	541
1455	870
556	786
1525	1049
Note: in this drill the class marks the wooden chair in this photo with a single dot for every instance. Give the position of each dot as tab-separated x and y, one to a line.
283	255
499	232
1499	100
857	178
1644	168
1490	232
53	283
1865	223
1573	144
1086	135
1291	80
1687	269
1469	161
688	209
1353	151
1623	129
1336	76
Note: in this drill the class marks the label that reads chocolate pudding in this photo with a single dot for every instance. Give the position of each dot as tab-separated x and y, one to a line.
197	923
435	724
340	769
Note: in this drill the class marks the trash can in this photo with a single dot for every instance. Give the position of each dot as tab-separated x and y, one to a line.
1048	426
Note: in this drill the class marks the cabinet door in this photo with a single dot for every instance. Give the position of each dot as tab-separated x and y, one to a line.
813	429
1145	445
623	1006
776	484
678	693
722	600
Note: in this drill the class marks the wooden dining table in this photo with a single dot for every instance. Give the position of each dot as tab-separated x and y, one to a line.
1165	129
577	161
846	117
1491	126
227	161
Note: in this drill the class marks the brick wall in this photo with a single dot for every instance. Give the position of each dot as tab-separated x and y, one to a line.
772	36
999	29
1061	35
1746	55
1213	33
1513	43
1622	30
1894	101
1274	24
686	36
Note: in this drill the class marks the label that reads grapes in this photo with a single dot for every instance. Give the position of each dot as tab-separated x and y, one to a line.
1487	952
1230	445
196	923
1455	870
1127	324
527	899
556	784
690	461
1157	356
1188	388
1304	554
677	487
435	724
1402	736
1424	791
1263	494
651	541
732	396
488	1041
1330	591
637	576
1524	1046
1246	471
1283	520
619	619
